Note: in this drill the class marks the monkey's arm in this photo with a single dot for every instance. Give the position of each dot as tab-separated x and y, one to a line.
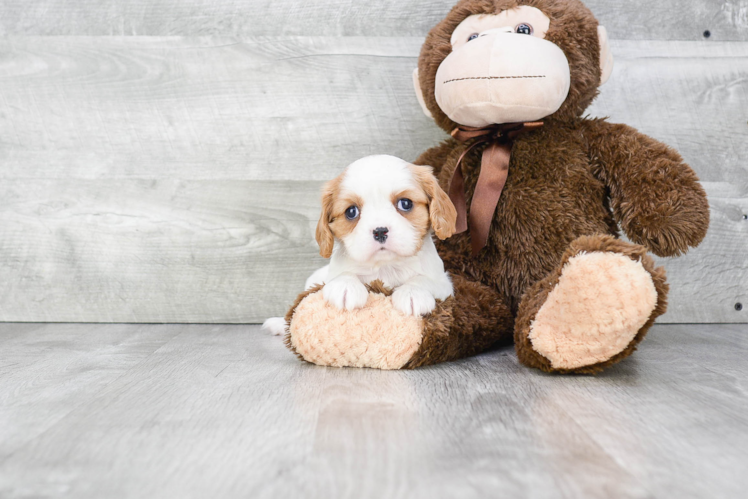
655	196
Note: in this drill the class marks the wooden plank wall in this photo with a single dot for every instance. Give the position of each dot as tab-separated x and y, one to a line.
160	160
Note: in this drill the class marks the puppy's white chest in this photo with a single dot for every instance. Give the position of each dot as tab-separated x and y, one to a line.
392	275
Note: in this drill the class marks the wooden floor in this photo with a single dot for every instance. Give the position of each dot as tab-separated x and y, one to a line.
206	410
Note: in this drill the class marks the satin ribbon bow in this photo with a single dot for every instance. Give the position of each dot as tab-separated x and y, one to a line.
494	170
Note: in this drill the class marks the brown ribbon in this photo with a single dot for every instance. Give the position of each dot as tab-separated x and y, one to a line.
491	180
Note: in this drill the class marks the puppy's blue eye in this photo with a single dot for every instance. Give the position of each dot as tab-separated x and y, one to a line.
404	205
472	37
352	213
523	29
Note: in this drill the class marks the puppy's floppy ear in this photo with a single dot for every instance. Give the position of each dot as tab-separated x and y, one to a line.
325	238
441	210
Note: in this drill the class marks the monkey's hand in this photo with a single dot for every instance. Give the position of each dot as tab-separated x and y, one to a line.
655	197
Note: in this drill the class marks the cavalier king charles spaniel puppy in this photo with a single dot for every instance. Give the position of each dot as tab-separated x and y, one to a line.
378	221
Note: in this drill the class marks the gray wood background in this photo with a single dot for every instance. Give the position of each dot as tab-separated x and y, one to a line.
160	160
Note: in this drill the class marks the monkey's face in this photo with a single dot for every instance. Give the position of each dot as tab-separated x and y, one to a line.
502	70
506	63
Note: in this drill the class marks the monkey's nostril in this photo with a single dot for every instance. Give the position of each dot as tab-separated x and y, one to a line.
380	234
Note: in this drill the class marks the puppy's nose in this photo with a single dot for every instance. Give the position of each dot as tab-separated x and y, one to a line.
380	234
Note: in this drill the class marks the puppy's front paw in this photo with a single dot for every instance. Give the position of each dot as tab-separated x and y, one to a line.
413	301
346	294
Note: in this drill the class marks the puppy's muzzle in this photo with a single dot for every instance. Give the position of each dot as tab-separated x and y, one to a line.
380	234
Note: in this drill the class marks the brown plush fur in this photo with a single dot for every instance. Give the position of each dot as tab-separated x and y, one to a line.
464	331
289	317
572	178
571	185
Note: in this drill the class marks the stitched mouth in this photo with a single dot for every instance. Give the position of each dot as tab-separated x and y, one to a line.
493	78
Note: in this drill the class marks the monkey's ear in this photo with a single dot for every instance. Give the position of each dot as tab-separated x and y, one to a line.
606	56
419	94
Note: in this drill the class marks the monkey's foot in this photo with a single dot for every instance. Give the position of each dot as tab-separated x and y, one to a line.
380	336
593	310
376	335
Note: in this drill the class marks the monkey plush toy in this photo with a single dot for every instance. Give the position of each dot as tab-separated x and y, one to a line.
542	195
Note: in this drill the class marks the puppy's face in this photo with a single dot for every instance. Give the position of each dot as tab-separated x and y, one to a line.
381	208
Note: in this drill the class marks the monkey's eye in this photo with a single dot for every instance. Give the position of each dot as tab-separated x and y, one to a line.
473	37
352	213
404	205
523	29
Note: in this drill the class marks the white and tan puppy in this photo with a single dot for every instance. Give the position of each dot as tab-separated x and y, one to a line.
377	223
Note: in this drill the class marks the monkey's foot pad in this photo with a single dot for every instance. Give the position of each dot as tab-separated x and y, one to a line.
600	303
375	336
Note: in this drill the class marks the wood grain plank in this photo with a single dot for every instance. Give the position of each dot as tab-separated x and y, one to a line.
100	136
206	108
303	108
154	251
225	411
240	251
203	393
63	366
635	19
688	96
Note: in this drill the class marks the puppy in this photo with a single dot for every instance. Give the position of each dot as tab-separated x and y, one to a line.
377	223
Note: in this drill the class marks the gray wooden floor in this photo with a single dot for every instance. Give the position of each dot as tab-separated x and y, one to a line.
198	410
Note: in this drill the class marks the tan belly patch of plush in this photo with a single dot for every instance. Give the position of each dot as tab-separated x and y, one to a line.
600	303
375	336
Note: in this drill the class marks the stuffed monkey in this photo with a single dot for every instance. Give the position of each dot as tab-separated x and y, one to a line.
542	195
